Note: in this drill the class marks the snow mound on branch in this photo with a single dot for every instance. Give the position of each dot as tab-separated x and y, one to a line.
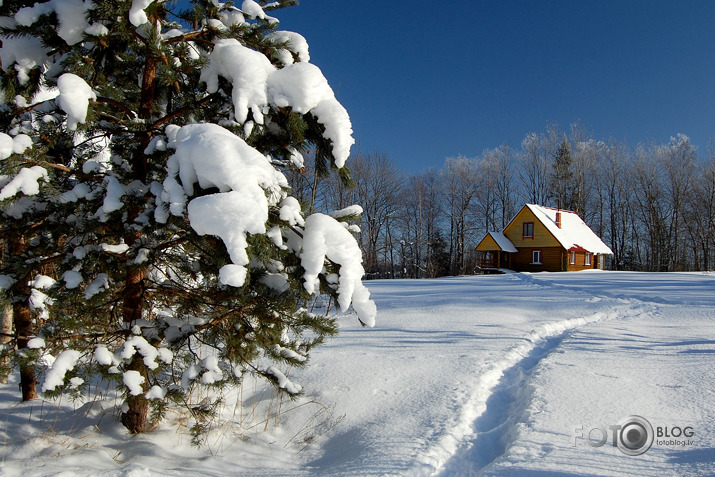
25	181
215	157
295	43
326	238
70	15
25	53
66	361
137	15
257	84
212	156
74	98
253	10
247	69
133	381
13	145
302	87
349	211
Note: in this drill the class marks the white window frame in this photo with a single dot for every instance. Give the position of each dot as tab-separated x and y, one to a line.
587	259
572	258
534	255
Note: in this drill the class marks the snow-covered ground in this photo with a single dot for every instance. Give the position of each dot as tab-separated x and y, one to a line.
492	375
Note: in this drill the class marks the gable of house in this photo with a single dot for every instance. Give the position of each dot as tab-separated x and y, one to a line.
539	235
496	241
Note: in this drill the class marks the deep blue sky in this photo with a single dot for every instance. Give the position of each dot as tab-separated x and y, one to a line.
425	80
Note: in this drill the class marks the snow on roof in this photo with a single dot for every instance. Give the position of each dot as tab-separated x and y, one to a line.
574	233
503	242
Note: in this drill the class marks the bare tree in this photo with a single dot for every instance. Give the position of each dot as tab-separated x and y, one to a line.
534	168
460	180
420	212
678	161
377	185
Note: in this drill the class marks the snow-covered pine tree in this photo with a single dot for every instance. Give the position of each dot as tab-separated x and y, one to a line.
142	151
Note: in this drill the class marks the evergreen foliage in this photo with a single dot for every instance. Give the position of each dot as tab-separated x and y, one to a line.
104	262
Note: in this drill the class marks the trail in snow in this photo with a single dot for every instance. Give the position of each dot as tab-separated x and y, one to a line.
488	420
482	431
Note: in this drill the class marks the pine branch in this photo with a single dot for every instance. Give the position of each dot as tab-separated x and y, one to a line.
116	104
184	110
63	168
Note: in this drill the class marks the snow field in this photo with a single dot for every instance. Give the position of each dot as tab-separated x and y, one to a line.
487	375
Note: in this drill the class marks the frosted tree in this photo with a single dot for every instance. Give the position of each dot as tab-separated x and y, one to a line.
153	238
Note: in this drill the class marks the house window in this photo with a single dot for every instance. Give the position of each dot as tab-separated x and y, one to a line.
528	231
572	258
536	257
587	259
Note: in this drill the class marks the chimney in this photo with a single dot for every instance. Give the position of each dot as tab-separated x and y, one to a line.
558	218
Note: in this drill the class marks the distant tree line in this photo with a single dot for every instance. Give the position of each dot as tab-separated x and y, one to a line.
654	204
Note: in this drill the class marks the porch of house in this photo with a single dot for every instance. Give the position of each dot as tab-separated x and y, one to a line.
491	261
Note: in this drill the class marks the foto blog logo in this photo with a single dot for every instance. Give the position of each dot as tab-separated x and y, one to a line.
633	435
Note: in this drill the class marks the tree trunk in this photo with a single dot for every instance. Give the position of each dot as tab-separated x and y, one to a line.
24	331
6	330
135	419
24	325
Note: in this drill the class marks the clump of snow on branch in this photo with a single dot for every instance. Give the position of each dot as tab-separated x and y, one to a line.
257	84
74	98
137	15
25	53
133	380
247	69
252	9
13	145
25	181
295	43
212	156
65	362
326	238
70	14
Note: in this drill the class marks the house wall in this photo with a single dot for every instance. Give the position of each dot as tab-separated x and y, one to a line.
551	259
581	262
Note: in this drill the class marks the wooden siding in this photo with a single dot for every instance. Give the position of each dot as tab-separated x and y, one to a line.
551	259
542	237
581	262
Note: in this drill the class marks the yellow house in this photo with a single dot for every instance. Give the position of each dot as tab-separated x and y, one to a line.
543	239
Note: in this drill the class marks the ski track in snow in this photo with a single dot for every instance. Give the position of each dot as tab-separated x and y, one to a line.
487	422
